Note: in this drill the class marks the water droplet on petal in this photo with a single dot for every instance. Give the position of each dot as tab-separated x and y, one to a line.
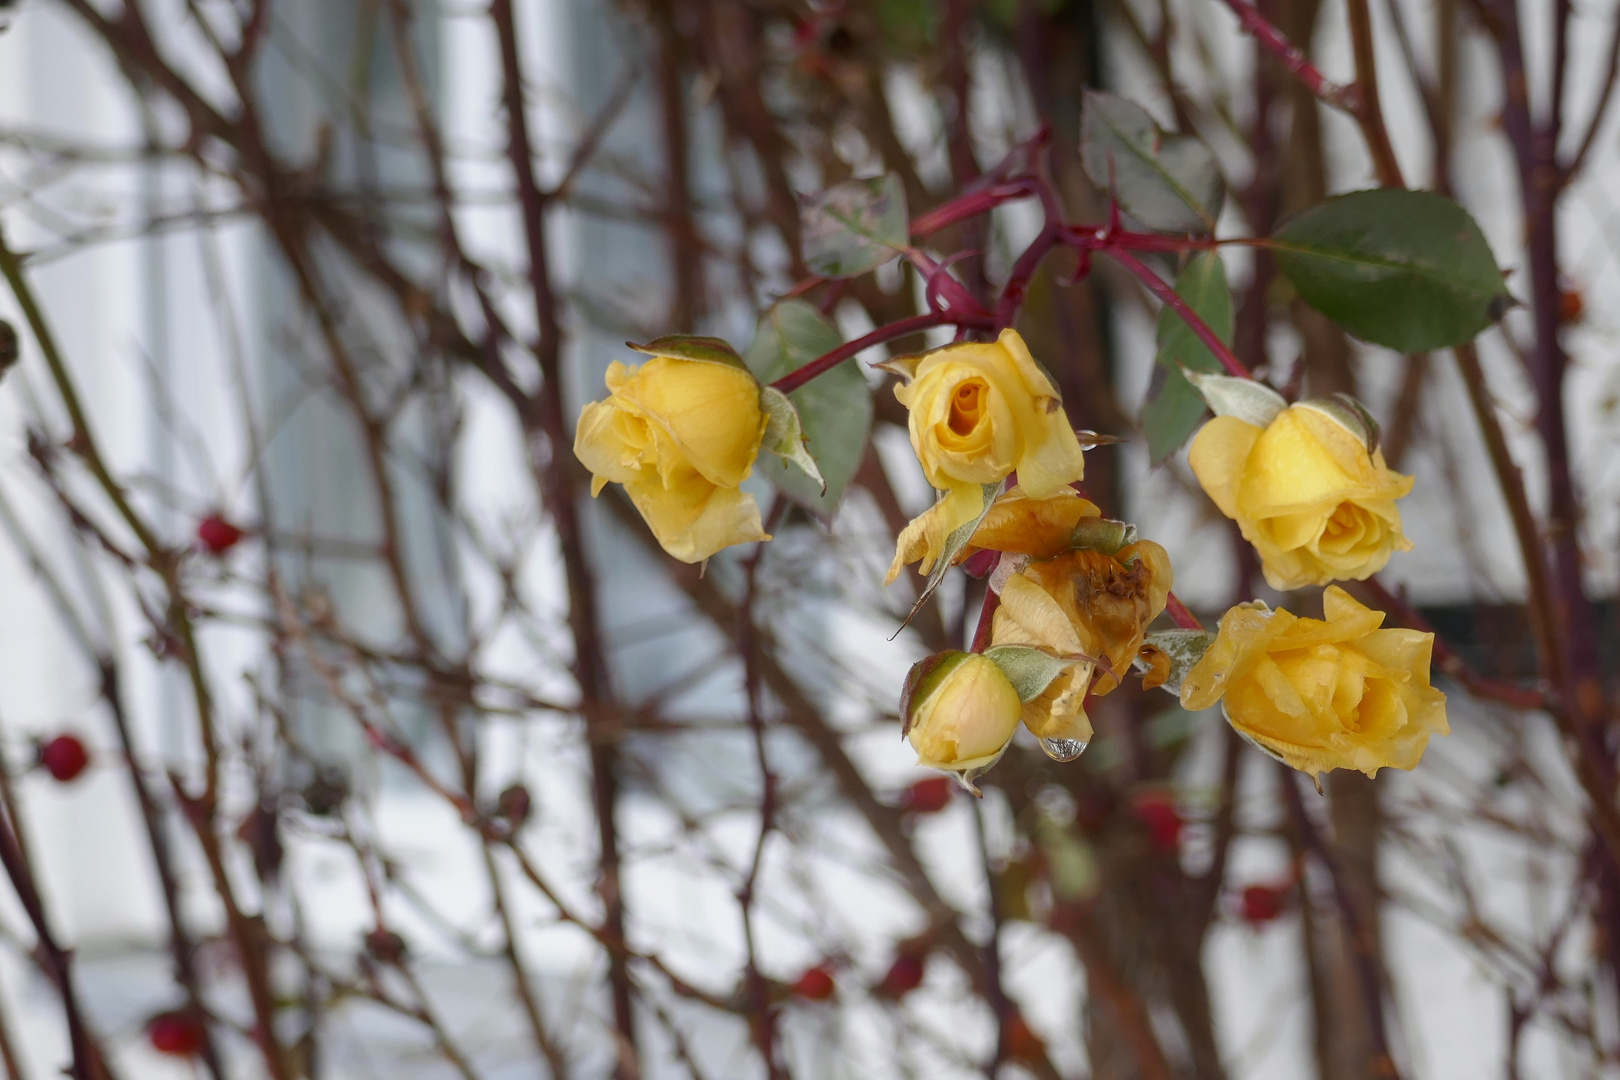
1063	749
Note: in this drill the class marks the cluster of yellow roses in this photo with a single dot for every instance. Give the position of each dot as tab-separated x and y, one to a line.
1075	592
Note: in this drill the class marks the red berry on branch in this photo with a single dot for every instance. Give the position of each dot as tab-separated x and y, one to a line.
928	796
514	804
903	976
1157	810
64	757
1571	305
815	985
216	535
385	946
1263	903
178	1034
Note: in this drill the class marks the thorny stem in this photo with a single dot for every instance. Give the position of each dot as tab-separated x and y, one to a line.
917	323
1369	113
589	656
987	614
1276	42
181	945
250	945
1356	929
1161	289
1539	601
995	991
1179	614
1581	715
56	960
762	1017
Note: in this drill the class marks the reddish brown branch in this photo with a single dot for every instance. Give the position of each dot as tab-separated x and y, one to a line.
904	327
55	960
1357	927
561	501
1369	111
1277	44
1167	295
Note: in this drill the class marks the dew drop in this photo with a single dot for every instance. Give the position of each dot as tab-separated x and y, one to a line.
1063	749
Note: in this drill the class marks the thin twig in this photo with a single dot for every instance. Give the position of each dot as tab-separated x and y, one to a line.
761	1017
590	657
1275	42
1357	928
1167	295
1369	111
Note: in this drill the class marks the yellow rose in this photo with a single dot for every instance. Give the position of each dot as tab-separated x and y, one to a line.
680	435
1039	528
979	411
960	711
1338	693
1089	605
1306	493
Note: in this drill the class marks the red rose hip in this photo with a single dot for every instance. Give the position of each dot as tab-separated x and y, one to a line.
1157	811
216	535
177	1034
64	757
903	976
1262	903
928	796
815	985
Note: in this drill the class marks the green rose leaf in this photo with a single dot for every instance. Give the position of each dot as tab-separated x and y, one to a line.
855	226
784	435
1102	534
1030	670
1175	409
921	680
834	409
1406	269
1184	648
691	347
1249	400
1166	181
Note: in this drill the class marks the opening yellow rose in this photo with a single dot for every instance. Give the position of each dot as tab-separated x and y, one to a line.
680	435
1322	694
1307	494
1039	528
981	410
1086	604
960	711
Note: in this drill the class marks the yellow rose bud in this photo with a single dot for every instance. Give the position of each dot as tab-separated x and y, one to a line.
1322	694
979	411
1306	493
960	711
1084	604
680	435
1039	528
